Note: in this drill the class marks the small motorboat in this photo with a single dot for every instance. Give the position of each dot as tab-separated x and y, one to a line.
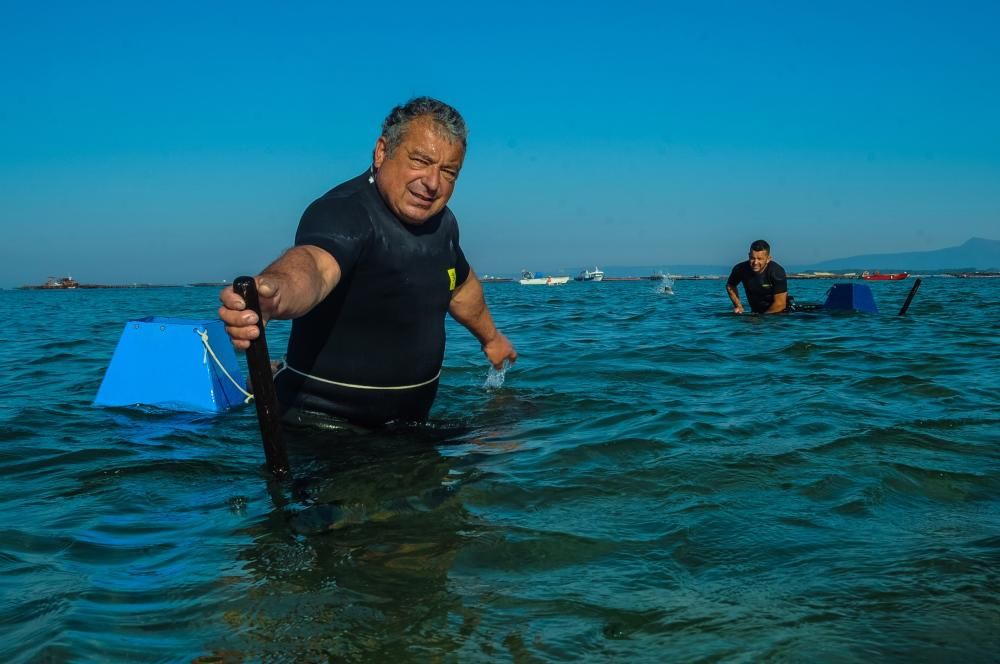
61	283
590	275
529	278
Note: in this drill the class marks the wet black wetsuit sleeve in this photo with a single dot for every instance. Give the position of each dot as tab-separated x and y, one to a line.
734	276
339	226
462	268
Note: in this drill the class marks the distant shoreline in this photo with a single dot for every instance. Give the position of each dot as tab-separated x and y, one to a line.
985	274
847	276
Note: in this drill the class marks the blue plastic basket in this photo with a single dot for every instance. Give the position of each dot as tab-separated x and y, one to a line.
164	362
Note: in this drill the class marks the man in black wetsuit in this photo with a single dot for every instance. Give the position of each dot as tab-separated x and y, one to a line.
763	280
375	267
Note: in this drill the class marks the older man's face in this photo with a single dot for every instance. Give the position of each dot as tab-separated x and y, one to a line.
759	260
419	178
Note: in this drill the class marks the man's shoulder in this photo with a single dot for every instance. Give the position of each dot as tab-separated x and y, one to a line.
345	197
348	189
776	269
338	221
738	273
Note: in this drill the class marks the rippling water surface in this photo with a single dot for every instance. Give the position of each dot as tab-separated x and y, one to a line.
655	480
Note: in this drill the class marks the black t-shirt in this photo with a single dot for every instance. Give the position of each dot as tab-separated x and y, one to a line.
383	325
760	288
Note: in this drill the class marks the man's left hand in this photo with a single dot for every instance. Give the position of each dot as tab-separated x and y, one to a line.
498	349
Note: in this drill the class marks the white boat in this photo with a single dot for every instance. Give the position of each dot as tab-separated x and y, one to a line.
591	275
529	278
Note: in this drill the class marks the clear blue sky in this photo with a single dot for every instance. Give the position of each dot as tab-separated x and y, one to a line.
181	141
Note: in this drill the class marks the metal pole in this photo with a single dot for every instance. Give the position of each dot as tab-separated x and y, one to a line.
909	298
259	366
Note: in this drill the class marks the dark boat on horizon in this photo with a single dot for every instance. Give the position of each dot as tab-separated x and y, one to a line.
878	276
61	283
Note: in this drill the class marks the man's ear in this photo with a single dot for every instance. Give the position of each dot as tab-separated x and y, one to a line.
380	152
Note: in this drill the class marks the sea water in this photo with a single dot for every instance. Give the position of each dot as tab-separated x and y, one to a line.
655	479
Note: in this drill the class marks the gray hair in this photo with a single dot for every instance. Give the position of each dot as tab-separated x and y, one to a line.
446	118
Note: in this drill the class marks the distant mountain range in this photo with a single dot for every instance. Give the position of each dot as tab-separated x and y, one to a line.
976	254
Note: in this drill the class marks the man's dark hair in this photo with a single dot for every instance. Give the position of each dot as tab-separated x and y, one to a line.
448	121
760	245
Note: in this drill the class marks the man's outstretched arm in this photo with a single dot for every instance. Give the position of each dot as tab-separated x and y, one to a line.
287	288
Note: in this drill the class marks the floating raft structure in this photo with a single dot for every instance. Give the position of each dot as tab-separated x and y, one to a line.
853	297
174	364
842	298
850	297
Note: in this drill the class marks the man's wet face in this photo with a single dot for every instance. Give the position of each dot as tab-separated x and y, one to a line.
419	177
759	260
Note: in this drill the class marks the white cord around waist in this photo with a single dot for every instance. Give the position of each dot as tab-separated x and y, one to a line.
285	365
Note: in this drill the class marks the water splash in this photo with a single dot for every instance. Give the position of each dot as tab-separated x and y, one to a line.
664	286
495	377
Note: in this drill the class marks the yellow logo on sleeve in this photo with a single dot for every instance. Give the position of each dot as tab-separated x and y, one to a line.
452	278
